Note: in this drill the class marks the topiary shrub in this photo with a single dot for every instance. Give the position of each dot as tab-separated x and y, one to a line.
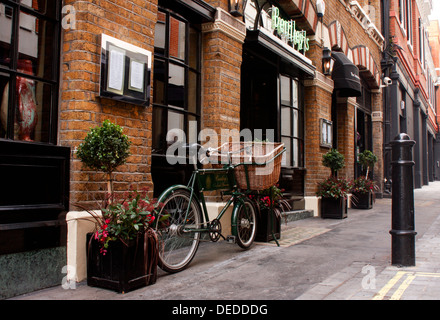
333	160
367	159
104	149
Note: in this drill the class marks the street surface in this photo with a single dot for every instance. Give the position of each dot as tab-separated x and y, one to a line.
318	259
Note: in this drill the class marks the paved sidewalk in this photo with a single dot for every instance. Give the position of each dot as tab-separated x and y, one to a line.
318	259
367	282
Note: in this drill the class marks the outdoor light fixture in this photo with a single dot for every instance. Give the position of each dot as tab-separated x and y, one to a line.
327	59
320	8
236	7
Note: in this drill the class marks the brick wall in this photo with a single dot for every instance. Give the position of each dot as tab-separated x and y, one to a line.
132	21
317	105
221	69
318	101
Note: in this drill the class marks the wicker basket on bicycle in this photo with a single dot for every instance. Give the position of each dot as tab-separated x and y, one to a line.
257	164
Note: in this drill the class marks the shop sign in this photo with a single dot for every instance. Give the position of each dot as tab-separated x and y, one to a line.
288	30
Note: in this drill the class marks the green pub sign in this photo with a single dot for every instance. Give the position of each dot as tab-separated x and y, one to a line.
287	29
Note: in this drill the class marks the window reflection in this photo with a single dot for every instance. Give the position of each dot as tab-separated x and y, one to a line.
177	38
159	82
6	22
4	91
46	7
32	113
35	43
28	42
176	86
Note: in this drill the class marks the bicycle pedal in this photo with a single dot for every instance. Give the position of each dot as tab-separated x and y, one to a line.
231	239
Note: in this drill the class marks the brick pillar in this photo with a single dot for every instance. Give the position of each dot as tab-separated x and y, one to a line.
378	136
222	57
318	102
80	106
346	117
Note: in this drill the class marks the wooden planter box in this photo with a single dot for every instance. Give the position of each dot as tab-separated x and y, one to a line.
264	224
333	208
123	268
362	200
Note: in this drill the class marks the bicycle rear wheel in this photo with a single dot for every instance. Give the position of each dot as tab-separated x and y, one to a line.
177	244
246	223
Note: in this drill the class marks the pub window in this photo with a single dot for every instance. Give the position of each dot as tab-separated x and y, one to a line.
292	116
29	58
176	83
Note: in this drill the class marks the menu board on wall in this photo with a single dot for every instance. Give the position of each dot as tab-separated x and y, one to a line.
125	71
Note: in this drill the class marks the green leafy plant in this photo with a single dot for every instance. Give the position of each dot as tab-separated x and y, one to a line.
124	217
104	149
271	197
362	185
333	187
367	159
333	160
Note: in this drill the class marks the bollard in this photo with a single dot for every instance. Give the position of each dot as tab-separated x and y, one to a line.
402	232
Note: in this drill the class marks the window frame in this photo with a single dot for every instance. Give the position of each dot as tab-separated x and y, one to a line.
164	56
12	72
300	122
409	23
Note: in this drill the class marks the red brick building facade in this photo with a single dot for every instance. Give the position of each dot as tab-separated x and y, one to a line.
209	70
222	39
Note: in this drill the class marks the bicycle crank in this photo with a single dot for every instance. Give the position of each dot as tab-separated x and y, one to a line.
215	230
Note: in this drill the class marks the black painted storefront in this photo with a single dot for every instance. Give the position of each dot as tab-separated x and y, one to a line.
34	200
265	61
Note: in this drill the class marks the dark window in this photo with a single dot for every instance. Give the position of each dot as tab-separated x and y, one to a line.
29	59
292	121
176	81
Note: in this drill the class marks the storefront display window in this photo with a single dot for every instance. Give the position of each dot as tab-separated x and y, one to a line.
29	51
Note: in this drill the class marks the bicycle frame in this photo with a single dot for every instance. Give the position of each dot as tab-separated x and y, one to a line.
195	181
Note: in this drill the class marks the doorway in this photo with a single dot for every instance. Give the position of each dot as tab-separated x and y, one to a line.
273	101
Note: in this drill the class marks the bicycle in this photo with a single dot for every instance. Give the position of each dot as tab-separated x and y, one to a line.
183	216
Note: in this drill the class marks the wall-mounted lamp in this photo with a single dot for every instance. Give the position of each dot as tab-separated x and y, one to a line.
327	61
236	7
320	8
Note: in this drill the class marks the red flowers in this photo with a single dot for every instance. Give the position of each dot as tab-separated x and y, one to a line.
362	185
124	217
264	198
333	187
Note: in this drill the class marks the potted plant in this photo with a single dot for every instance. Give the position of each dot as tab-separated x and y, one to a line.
122	253
333	190
367	159
269	225
104	149
333	160
363	188
362	191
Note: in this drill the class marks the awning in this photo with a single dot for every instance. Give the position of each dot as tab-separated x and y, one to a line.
345	76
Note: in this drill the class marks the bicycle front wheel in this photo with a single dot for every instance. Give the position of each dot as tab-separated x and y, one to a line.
246	223
177	243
